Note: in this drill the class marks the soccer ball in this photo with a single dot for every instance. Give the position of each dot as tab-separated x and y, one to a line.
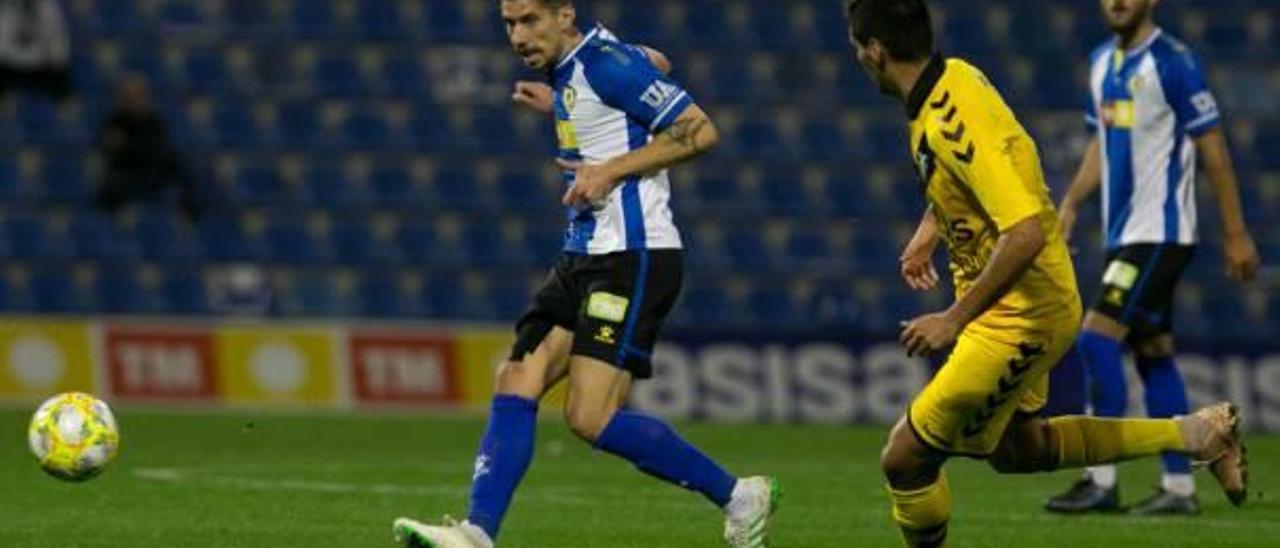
74	436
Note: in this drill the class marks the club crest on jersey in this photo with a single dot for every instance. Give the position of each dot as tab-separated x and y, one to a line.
569	97
1137	83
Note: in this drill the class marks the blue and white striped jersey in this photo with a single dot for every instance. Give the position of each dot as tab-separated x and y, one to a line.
1146	106
610	100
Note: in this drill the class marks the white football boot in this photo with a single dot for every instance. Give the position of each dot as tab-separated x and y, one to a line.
747	515
452	534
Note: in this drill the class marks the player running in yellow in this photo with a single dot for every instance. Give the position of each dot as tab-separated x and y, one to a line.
1017	309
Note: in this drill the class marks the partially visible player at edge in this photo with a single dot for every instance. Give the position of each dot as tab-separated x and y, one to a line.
620	123
1150	112
1017	309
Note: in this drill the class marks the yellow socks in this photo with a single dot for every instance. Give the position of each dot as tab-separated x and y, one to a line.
1086	441
922	514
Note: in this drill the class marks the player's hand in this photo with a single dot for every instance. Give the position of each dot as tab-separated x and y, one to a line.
916	267
1067	219
591	184
929	334
1242	257
535	96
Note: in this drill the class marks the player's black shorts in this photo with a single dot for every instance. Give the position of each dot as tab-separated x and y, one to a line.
1138	286
614	304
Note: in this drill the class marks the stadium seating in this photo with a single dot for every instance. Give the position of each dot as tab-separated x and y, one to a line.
378	169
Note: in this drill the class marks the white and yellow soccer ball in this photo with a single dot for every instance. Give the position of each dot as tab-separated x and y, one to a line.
74	436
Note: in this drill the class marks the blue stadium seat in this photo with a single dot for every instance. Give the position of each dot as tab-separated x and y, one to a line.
704	26
118	291
248	17
822	139
52	290
64	180
392	187
495	130
509	296
445	21
311	19
37	120
299	123
381	20
336	75
184	291
205	71
11	184
431	130
30	238
289	241
417	241
379	295
313	293
354	243
365	129
770	303
746	248
115	17
485	246
443	296
785	195
224	240
236	128
454	189
705	304
809	248
93	237
330	189
178	13
770	26
163	239
522	191
259	185
403	74
758	137
1226	36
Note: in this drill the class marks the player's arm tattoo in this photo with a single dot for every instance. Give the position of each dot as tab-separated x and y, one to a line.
685	132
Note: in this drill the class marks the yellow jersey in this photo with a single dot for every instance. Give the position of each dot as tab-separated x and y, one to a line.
981	175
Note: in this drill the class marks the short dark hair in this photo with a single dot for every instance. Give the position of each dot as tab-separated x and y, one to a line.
554	4
903	26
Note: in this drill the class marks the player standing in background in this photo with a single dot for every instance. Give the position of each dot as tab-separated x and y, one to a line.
1150	112
1017	310
620	123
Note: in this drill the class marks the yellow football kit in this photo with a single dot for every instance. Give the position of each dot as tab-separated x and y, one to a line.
982	176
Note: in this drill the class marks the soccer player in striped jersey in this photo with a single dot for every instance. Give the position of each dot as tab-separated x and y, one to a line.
1152	115
1016	309
620	123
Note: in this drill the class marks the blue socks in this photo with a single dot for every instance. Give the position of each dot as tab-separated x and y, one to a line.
1102	358
1166	396
503	458
655	448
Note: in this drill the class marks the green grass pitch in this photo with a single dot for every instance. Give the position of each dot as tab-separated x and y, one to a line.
268	480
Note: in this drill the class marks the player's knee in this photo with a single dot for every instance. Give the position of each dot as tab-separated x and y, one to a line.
1160	346
1024	449
519	378
587	422
900	460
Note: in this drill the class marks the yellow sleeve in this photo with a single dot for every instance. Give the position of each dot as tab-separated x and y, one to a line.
982	159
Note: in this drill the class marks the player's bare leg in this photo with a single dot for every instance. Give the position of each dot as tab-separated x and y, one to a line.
917	486
597	393
1210	436
507	447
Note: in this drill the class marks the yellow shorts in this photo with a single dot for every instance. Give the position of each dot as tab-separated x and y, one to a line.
965	408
